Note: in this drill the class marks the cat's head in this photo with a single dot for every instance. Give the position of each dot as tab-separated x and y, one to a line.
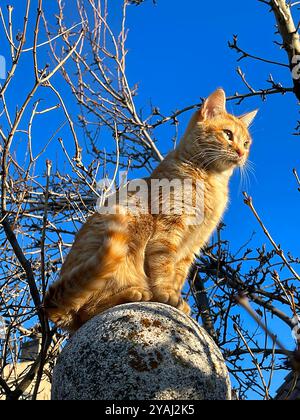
215	139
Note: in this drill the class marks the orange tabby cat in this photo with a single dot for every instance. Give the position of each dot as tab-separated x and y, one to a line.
140	256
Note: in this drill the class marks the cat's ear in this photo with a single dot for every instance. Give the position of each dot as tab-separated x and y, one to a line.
249	117
214	105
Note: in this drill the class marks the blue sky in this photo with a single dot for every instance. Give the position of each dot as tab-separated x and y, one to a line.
178	53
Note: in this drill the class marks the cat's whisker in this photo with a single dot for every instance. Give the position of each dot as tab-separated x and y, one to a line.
251	169
252	172
210	152
211	161
206	151
245	180
246	170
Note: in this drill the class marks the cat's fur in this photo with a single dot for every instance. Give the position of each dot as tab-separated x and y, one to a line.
129	257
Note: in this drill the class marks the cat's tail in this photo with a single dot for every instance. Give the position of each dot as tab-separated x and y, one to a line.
99	249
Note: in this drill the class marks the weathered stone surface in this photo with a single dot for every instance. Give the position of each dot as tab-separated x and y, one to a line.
141	351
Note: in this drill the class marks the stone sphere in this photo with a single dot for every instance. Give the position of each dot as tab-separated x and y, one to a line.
141	351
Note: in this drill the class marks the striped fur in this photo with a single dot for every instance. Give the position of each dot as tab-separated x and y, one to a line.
127	257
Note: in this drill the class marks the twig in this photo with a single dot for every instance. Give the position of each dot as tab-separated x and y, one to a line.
249	202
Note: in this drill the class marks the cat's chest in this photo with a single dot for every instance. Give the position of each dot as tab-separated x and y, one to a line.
213	202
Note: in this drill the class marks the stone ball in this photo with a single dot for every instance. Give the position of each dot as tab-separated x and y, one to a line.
141	351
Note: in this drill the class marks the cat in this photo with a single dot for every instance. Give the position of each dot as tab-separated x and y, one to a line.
139	256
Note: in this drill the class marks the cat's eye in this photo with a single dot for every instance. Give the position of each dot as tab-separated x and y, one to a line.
229	134
247	144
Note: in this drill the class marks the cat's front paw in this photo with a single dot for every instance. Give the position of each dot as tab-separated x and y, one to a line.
172	298
137	294
167	296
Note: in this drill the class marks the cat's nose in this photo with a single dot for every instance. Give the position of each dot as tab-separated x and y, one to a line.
240	152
